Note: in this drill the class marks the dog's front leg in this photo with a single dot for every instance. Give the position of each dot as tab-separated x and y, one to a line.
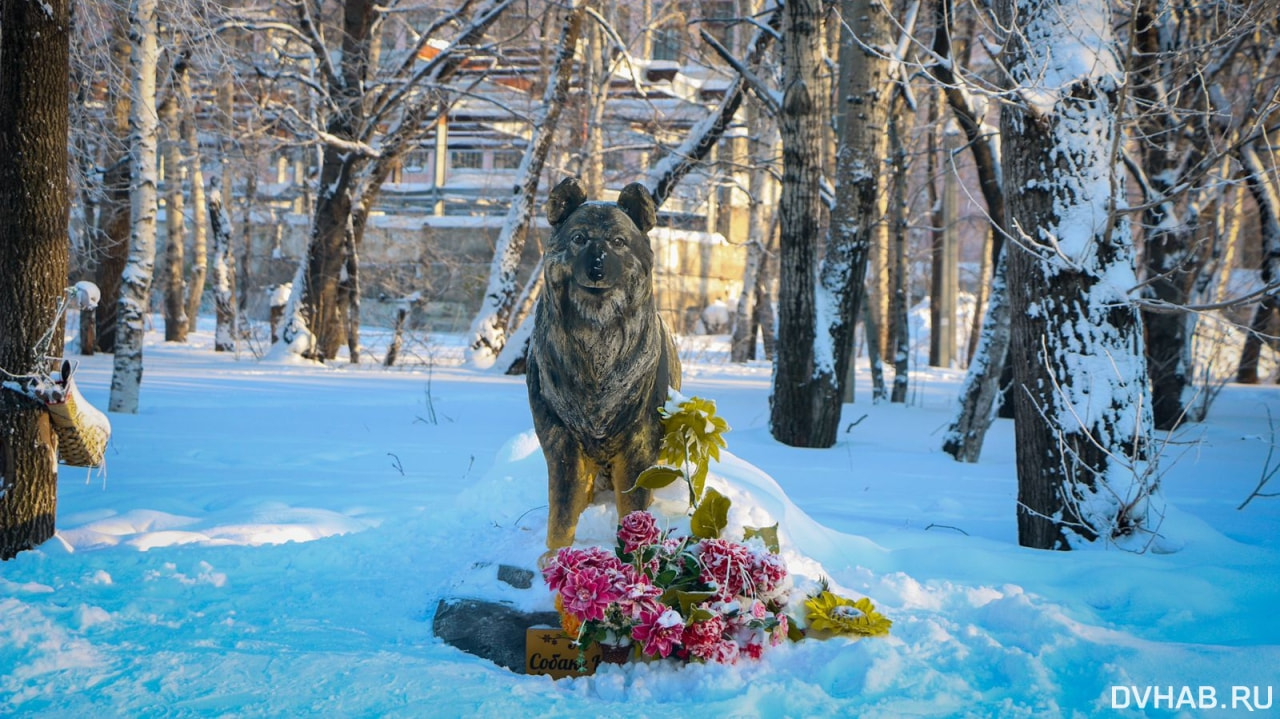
568	487
623	472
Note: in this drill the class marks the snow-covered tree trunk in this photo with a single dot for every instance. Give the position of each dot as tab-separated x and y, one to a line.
223	274
489	328
135	285
1086	468
175	299
34	211
981	386
818	310
195	180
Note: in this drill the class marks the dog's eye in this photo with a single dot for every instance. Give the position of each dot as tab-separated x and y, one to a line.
577	238
619	241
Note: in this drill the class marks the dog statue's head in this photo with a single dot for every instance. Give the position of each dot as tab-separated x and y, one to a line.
600	247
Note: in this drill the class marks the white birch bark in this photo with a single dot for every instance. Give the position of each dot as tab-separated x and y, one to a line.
135	287
175	301
223	270
195	176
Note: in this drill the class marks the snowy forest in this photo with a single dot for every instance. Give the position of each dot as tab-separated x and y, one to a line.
1062	215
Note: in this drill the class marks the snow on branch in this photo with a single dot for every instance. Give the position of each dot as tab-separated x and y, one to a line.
664	176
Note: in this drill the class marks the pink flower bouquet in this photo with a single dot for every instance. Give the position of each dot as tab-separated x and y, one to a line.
701	600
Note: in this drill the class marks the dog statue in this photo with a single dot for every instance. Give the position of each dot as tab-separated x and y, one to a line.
600	357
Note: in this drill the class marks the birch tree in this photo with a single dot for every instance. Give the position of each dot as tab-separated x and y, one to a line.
135	287
34	210
195	181
488	329
111	236
223	266
175	286
1086	469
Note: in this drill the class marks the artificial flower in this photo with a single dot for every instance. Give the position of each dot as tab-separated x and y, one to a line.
839	615
659	632
637	530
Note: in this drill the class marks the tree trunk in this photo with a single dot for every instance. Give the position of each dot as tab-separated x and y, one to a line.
898	310
175	298
742	344
351	288
875	357
325	252
34	213
1168	250
112	234
815	329
800	402
244	280
223	275
489	328
1083	411
764	319
979	391
982	383
1262	186
195	178
135	288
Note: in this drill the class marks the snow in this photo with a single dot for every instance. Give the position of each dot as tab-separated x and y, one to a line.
272	540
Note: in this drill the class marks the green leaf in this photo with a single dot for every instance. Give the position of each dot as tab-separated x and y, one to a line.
700	615
657	477
688	601
768	534
711	516
699	481
794	632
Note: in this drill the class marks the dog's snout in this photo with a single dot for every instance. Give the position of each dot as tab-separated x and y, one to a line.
596	269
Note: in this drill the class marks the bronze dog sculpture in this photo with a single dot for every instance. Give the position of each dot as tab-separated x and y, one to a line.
600	358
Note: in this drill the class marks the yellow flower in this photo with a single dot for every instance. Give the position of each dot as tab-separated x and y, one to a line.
838	615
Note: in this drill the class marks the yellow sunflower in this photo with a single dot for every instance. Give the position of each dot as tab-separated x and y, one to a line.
839	615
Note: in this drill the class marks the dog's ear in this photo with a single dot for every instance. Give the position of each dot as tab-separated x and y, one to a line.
564	199
636	201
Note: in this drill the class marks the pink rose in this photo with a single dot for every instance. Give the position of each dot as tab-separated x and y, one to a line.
638	529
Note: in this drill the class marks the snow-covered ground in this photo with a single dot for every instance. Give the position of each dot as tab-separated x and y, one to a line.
272	540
